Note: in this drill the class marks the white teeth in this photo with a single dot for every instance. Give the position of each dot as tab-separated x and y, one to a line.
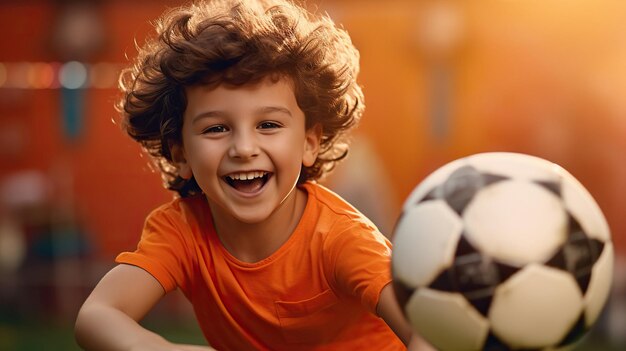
246	175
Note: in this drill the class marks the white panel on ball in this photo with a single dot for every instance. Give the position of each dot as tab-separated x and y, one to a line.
447	320
529	229
536	307
599	285
425	240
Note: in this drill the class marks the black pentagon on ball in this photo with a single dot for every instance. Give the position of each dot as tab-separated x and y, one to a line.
461	187
553	187
402	292
474	275
493	343
578	254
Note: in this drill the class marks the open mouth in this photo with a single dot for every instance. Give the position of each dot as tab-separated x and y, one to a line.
247	182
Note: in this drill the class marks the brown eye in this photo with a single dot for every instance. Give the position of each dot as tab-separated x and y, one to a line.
268	125
215	129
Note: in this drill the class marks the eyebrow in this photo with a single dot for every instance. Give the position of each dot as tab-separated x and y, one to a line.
270	109
261	111
208	114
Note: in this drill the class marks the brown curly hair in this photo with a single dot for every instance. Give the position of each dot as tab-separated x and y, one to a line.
235	43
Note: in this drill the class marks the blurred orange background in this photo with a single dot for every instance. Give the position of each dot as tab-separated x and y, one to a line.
442	79
543	78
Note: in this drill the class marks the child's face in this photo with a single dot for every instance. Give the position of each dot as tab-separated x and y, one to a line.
245	146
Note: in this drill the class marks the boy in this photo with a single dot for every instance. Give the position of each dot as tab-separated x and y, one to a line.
243	104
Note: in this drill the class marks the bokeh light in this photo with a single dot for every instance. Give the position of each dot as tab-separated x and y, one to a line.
40	75
73	75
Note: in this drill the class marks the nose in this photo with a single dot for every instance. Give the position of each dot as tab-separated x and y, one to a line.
244	146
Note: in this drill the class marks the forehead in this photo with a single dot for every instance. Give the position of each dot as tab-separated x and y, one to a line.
268	91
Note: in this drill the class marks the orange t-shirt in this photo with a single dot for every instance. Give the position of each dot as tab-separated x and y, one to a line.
319	290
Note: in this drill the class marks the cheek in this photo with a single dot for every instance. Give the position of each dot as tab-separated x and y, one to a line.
204	157
288	156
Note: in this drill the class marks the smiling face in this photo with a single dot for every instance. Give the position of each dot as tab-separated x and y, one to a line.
245	147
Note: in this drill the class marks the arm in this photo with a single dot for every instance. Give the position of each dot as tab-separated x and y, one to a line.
108	320
389	310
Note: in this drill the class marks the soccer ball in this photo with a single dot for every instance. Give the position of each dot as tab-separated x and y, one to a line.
501	251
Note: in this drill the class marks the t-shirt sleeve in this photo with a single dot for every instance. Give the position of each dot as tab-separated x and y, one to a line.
360	257
161	250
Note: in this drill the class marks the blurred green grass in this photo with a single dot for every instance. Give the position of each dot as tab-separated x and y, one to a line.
37	336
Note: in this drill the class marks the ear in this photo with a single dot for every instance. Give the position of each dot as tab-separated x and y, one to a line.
312	139
180	160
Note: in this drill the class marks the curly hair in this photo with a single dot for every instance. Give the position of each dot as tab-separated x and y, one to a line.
237	42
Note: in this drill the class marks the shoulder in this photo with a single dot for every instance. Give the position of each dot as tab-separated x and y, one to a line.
332	206
337	220
170	238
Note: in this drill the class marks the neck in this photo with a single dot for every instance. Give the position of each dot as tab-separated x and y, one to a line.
253	242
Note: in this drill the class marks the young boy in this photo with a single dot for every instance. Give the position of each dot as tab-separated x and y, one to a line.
244	104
